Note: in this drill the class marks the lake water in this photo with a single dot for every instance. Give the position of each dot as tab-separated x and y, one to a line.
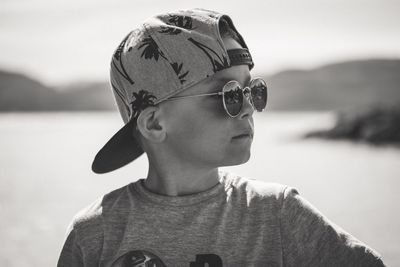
45	178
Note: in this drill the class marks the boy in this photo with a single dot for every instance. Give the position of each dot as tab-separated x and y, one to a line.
183	87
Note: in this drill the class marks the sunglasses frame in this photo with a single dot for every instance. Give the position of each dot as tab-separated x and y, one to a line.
223	96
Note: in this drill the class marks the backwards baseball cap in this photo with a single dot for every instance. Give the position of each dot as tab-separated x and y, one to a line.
166	55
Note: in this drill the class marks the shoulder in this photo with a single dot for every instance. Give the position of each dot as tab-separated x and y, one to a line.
258	190
90	219
85	234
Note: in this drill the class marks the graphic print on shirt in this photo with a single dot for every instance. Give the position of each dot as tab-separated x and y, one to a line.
143	258
138	258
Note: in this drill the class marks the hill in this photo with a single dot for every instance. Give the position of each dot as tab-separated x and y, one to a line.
19	92
336	86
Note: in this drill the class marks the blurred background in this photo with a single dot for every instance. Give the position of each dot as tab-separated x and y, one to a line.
331	128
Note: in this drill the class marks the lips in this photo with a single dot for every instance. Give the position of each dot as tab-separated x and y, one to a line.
248	134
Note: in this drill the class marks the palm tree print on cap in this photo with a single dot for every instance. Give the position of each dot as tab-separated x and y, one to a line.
217	63
181	21
170	30
177	68
184	22
151	49
141	100
123	99
117	57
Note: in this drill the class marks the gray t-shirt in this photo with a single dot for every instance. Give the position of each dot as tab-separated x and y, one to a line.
238	222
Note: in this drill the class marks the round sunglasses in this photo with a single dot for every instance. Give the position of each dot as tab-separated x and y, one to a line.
233	95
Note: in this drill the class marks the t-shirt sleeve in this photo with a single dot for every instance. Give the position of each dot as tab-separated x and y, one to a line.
310	239
71	254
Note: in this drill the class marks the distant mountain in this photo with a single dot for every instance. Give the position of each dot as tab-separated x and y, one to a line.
19	92
332	87
336	86
88	96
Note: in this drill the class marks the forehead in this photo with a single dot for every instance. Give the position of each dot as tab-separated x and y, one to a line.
215	83
238	73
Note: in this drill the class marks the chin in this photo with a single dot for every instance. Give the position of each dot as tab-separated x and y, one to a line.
237	158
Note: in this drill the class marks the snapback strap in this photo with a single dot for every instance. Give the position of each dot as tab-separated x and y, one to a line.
240	56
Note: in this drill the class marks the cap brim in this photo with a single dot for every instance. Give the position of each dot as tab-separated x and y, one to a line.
120	150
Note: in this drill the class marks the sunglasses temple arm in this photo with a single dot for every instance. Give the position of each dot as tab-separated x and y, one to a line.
189	96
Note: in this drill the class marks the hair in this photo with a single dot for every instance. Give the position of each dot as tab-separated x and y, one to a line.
226	30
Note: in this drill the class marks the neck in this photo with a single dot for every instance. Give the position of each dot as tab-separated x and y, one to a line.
180	180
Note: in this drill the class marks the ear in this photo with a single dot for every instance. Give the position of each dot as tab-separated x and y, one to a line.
150	126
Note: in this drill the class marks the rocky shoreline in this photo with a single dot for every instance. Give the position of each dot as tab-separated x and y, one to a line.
379	125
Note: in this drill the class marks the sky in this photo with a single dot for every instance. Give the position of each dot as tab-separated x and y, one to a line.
64	41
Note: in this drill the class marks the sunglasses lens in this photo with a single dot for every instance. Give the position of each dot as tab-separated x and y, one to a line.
233	98
259	93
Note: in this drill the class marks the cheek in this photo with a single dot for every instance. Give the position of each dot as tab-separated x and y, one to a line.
201	116
204	128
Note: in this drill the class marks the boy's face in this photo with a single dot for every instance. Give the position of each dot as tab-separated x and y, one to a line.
200	131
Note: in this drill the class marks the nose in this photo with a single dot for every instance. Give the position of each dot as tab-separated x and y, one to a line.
247	108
